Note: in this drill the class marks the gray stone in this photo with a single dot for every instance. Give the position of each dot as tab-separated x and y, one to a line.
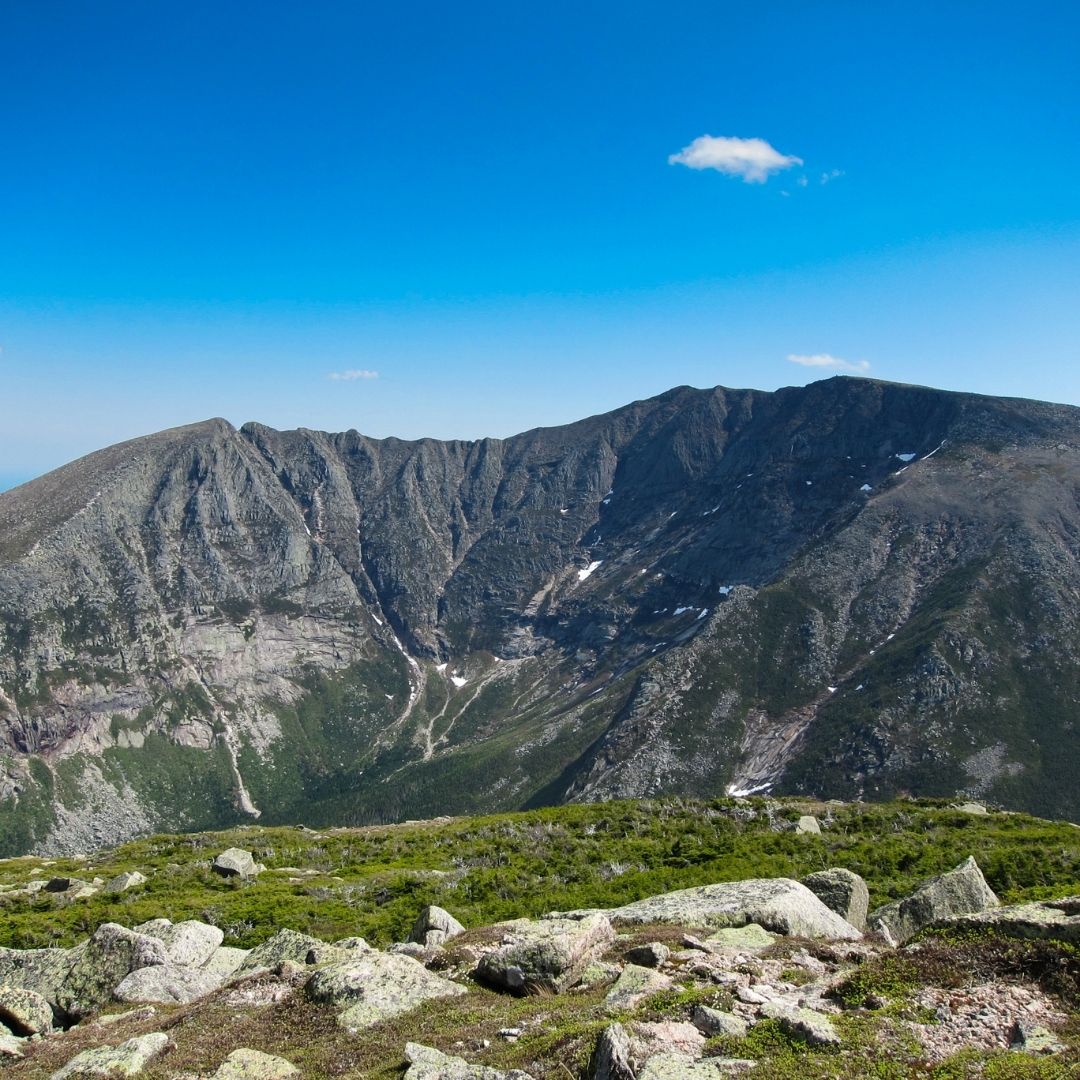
711	1022
613	1057
816	1028
843	892
778	904
25	1011
651	955
634	985
545	954
285	945
435	926
244	1064
748	938
225	961
374	986
426	1063
1058	919
127	1059
972	808
105	960
63	884
235	862
167	984
411	948
123	882
961	891
808	825
190	943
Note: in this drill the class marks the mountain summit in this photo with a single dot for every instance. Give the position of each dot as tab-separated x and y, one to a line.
852	589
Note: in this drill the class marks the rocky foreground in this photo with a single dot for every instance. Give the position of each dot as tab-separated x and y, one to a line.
767	977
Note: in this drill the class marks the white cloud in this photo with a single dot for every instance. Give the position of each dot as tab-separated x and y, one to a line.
825	360
832	174
752	159
352	375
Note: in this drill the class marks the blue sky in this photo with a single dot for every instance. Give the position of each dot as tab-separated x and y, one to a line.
480	210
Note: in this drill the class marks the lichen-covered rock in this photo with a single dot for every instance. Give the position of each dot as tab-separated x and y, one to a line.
841	891
1034	1038
285	945
167	984
426	1063
1059	919
778	904
191	942
961	891
816	1028
435	926
225	961
374	986
123	882
635	984
25	1011
711	1022
663	1036
671	1066
235	862
613	1057
108	957
808	825
127	1059
244	1064
748	938
40	970
545	954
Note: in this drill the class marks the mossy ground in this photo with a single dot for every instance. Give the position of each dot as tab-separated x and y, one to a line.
372	881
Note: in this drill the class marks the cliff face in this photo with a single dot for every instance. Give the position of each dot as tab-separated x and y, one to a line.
852	588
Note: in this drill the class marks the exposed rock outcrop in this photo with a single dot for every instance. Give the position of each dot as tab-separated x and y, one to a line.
961	891
546	954
777	904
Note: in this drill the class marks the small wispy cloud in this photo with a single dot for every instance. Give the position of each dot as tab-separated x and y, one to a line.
826	360
832	174
352	374
753	160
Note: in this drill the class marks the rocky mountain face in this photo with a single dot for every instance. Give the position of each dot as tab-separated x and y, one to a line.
852	589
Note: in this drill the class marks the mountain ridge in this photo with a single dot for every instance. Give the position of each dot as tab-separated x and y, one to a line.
649	600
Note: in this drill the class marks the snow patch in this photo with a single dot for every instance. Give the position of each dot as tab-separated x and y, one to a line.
680	610
866	487
583	574
725	589
377	619
458	680
704	612
831	689
906	457
741	793
440	668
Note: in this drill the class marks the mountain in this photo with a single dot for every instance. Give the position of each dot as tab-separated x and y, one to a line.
851	589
